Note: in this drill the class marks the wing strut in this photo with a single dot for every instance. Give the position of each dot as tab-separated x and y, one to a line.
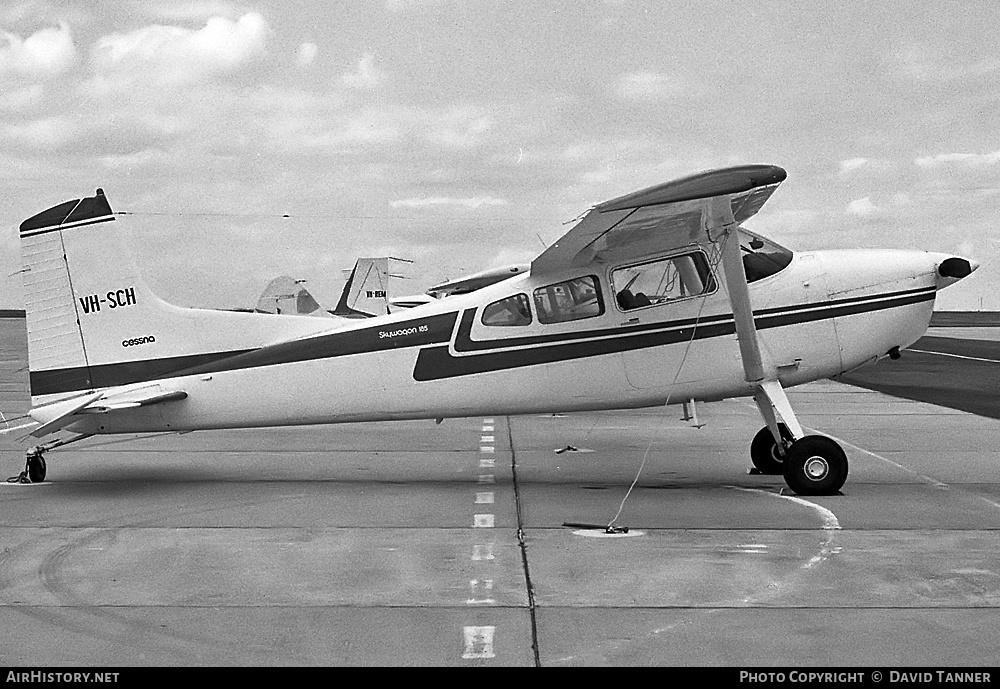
769	396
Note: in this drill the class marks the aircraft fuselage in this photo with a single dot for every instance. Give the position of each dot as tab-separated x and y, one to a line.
825	313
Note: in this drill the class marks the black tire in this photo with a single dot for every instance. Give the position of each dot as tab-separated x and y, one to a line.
764	451
816	465
36	469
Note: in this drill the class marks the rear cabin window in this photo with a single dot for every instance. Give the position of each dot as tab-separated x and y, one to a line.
657	282
510	311
569	301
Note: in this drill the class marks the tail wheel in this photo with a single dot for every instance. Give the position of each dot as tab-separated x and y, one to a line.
36	468
815	465
764	451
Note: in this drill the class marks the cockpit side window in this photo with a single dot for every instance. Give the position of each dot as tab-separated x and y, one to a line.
569	301
510	311
663	280
761	257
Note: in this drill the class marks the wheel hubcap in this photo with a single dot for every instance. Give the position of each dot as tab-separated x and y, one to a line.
816	468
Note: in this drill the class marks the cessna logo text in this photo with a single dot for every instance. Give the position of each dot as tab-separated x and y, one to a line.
136	341
404	331
114	299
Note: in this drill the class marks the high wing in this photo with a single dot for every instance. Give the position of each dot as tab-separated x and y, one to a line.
673	214
703	208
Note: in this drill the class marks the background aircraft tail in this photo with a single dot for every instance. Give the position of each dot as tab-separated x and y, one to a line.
285	296
366	293
92	322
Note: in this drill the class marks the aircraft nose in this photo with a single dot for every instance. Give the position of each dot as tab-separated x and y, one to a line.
951	269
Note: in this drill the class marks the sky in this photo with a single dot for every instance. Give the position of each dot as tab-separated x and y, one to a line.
250	140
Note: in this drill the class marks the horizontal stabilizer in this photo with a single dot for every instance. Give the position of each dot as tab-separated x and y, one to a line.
60	414
132	400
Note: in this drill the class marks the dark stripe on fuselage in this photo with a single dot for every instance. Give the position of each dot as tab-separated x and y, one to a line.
435	363
109	375
414	333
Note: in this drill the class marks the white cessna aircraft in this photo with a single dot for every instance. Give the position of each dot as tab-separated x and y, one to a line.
652	297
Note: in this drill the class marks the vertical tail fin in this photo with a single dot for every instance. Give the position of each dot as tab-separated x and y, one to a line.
55	332
285	296
366	293
92	321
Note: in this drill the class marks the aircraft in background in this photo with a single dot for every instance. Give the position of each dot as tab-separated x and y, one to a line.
367	291
365	294
286	296
654	297
471	283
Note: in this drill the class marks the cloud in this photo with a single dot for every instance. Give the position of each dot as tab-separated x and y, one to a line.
964	159
863	208
20	99
294	124
458	127
929	65
306	55
649	86
852	165
46	134
178	54
367	76
195	10
403	5
789	222
46	53
473	202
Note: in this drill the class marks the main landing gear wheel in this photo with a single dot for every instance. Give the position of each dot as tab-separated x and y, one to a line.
764	451
815	465
35	466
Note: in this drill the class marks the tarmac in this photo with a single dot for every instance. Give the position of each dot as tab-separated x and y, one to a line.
482	542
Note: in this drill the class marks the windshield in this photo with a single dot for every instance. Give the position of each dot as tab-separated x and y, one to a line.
762	257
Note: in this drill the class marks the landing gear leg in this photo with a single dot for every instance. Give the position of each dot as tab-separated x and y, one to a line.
814	465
